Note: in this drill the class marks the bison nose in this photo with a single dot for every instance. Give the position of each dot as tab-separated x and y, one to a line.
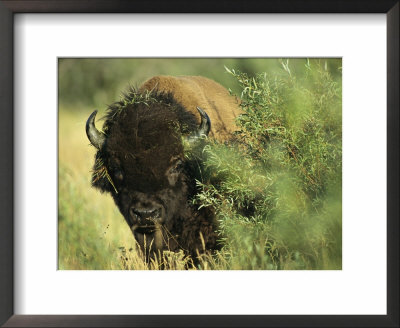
145	216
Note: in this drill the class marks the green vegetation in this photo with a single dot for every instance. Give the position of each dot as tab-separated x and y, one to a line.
276	188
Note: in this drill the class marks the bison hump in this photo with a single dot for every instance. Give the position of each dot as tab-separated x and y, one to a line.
193	91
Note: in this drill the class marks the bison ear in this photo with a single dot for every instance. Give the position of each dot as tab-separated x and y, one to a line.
95	137
204	128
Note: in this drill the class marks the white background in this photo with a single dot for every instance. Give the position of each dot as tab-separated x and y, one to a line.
360	288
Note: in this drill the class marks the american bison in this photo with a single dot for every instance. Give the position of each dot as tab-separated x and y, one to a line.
140	158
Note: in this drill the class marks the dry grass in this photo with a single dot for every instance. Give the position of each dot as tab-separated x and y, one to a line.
88	220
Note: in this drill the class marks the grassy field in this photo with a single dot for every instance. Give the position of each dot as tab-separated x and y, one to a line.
90	227
278	209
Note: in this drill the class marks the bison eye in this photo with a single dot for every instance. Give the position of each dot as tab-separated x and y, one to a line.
178	166
118	175
173	173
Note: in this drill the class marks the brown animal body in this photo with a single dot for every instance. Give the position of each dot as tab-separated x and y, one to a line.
141	160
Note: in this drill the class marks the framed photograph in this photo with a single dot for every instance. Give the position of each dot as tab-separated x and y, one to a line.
215	164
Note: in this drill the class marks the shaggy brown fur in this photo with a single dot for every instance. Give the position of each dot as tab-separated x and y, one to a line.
142	162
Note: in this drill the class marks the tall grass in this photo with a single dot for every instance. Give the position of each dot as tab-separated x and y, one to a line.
90	229
275	189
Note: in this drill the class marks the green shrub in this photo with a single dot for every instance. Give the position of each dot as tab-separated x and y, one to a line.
276	190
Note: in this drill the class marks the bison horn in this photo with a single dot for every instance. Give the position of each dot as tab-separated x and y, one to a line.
95	137
204	128
205	124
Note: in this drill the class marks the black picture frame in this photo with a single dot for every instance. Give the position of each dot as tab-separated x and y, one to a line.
11	7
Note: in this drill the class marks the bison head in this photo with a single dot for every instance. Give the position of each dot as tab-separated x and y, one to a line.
140	161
